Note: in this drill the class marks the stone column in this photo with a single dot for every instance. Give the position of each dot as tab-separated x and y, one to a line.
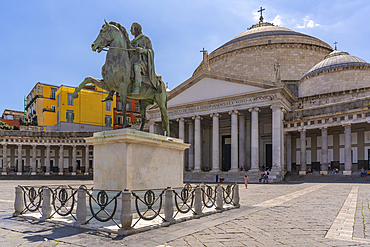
303	153
86	160
324	151
181	128
289	152
61	160
182	132
19	167
254	140
242	141
248	143
215	142
347	150
33	163
151	127
74	159
191	142
197	144
47	165
276	137
5	159
234	140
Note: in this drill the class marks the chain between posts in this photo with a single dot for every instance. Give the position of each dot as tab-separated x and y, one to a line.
64	202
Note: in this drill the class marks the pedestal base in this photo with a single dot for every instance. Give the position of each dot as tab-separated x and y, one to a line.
86	173
347	172
300	173
4	173
19	173
60	173
73	173
137	160
33	173
47	173
323	172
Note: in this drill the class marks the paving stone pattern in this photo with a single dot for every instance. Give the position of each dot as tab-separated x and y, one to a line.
297	215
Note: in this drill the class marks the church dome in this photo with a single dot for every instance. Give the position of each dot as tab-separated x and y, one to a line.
339	71
254	53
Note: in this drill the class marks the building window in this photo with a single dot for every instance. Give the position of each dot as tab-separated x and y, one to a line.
129	119
52	94
367	114
298	124
292	125
107	105
128	106
70	100
119	106
58	101
334	119
108	121
137	107
350	117
312	122
70	116
53	108
342	118
319	121
305	123
119	120
57	117
359	115
327	120
269	41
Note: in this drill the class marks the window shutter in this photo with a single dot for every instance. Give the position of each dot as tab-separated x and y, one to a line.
73	116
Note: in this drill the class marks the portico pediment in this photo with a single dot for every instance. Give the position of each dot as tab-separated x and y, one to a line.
209	88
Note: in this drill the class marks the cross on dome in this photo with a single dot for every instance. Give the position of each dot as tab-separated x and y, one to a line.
261	10
335	43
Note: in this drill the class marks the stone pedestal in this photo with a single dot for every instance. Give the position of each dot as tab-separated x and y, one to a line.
136	160
323	172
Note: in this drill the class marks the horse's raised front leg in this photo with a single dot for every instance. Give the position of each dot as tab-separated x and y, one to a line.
109	97
89	79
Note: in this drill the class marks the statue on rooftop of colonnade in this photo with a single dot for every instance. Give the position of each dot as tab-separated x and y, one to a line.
129	70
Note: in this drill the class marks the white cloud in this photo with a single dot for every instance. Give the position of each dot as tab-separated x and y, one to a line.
256	16
307	23
277	21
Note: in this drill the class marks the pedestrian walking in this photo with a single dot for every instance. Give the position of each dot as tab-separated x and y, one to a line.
265	176
329	166
216	178
362	172
246	180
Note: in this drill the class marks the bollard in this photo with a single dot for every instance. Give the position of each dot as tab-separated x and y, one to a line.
203	187
219	198
19	201
46	204
81	211
198	201
236	195
126	214
168	205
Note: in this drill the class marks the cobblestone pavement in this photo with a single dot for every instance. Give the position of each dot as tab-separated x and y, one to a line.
302	214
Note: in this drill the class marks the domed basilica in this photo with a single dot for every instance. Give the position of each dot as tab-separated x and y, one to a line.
272	98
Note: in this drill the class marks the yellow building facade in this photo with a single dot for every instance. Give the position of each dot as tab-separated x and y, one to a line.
40	105
86	113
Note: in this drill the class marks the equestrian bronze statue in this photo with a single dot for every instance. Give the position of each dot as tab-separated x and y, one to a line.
129	70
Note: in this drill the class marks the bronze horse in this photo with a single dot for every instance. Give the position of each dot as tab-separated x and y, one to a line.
117	72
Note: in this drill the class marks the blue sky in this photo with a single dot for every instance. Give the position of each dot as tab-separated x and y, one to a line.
49	41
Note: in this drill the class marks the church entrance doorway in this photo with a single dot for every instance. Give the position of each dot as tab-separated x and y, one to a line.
226	153
269	156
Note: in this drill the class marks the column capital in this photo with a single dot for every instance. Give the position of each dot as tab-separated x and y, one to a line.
197	117
254	109
19	144
233	112
302	130
180	119
189	121
4	144
215	115
346	125
276	106
324	127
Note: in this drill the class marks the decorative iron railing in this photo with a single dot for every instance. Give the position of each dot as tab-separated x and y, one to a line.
67	201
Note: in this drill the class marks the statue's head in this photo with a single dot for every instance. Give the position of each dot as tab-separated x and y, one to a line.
135	29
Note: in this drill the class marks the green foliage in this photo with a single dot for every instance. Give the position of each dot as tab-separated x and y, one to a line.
5	126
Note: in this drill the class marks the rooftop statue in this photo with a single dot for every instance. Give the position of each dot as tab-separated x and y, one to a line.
129	70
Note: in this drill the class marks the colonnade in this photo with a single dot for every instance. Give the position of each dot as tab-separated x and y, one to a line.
241	140
46	157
